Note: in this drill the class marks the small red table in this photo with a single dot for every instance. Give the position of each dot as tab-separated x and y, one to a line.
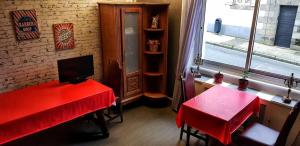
32	109
218	112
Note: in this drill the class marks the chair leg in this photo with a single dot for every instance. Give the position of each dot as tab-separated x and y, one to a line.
121	112
181	131
206	140
188	135
121	116
102	123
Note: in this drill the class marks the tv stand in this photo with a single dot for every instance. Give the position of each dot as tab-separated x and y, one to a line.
78	80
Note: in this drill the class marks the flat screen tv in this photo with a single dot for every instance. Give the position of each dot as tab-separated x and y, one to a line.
75	70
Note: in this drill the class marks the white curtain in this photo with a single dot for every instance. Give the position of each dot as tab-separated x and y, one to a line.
191	39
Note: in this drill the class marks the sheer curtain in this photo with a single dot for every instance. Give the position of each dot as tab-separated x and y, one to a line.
190	42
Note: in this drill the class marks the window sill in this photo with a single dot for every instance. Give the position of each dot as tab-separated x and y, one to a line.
265	96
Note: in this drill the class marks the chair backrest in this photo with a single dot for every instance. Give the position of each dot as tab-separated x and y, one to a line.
187	87
115	78
287	126
182	97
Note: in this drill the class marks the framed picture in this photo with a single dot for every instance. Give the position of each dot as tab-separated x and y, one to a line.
26	25
63	36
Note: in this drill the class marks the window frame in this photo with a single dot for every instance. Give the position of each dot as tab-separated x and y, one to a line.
275	79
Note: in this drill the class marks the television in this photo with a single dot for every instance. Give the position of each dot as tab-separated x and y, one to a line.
75	70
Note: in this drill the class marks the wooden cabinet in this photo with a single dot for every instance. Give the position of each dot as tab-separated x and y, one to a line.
131	18
125	30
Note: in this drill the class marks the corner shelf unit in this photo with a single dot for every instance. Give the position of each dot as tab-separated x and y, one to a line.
153	53
155	62
154	95
154	30
126	33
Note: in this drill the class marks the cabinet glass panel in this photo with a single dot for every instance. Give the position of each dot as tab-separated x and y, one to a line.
131	42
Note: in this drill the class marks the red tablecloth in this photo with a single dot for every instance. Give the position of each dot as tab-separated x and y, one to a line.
218	112
32	109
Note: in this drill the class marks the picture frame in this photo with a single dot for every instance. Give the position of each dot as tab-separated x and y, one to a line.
26	25
64	36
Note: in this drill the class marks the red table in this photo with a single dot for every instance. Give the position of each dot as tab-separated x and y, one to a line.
218	112
32	109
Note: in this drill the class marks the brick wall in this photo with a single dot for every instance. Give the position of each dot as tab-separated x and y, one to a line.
35	61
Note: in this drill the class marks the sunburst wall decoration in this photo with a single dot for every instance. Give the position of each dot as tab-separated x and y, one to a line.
63	36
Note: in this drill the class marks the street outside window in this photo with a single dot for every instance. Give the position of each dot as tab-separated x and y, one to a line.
274	48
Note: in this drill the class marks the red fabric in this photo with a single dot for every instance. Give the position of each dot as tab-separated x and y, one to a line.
32	109
218	112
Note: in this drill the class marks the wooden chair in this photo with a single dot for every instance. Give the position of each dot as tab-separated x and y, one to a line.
260	135
188	92
115	82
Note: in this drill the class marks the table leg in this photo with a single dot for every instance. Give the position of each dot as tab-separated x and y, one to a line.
99	121
181	130
188	135
102	124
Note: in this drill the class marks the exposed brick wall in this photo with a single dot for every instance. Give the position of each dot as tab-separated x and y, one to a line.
35	61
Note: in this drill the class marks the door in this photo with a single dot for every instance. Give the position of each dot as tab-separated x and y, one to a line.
285	25
131	44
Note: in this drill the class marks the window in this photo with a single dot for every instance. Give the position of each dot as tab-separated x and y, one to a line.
263	38
225	31
275	49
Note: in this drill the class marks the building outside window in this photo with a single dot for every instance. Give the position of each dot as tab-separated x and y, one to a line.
270	48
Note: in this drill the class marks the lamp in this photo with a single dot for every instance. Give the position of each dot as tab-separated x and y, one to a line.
198	61
290	82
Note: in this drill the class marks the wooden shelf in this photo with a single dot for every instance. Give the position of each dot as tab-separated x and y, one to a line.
155	62
153	53
153	73
155	95
131	99
154	30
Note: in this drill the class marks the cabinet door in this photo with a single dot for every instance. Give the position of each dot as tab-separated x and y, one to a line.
131	39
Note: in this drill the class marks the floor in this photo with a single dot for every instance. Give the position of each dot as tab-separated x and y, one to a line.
142	126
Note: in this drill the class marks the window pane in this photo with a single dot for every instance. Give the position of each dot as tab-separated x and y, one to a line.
277	40
228	25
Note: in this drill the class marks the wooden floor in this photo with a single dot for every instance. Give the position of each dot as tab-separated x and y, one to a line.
142	126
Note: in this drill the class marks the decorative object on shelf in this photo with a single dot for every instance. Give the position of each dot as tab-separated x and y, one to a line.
218	78
63	36
290	82
243	82
26	25
154	23
153	45
198	61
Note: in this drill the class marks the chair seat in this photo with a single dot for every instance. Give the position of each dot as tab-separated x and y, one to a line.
118	100
115	110
258	135
194	132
